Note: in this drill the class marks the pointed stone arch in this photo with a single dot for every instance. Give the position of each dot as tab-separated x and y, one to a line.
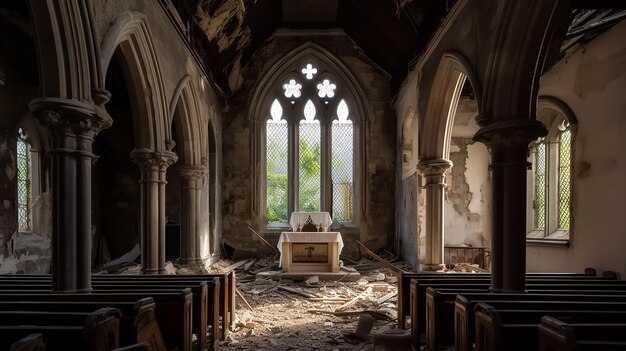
185	119
185	114
130	34
259	111
444	96
435	137
214	165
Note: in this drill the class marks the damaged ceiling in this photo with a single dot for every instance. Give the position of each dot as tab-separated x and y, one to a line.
391	33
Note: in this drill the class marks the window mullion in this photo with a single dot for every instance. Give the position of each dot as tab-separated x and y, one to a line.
325	174
294	174
552	188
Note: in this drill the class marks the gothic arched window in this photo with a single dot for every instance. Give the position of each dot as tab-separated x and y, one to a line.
550	179
308	143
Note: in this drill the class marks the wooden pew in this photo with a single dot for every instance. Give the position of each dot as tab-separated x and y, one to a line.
173	308
98	331
226	293
228	285
205	300
418	306
443	323
417	302
556	335
404	285
517	330
464	316
137	323
31	342
213	307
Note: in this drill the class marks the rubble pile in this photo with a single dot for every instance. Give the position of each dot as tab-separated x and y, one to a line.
307	313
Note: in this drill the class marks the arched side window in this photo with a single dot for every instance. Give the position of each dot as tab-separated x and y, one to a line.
309	144
24	176
549	182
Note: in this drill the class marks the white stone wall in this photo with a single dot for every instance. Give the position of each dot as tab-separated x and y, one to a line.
591	80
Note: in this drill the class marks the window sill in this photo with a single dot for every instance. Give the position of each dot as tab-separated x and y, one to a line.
277	227
548	242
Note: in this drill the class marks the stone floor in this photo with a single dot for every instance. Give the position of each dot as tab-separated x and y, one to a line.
288	314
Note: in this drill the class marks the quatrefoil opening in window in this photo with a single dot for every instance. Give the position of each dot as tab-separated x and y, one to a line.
326	89
292	88
309	71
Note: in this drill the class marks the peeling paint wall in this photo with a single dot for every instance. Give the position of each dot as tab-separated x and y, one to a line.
591	80
378	173
468	200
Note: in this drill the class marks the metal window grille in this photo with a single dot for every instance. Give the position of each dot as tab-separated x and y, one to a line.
342	170
565	146
309	158
277	168
23	182
540	186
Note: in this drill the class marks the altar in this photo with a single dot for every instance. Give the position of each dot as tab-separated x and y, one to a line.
310	251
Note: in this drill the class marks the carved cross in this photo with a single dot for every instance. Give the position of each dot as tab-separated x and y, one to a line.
309	71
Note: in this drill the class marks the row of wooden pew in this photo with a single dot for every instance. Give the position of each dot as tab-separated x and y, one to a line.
164	311
558	312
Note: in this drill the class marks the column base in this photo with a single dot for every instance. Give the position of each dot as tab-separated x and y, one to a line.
423	267
150	271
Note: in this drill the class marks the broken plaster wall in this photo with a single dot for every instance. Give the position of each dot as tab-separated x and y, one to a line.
241	199
468	200
591	80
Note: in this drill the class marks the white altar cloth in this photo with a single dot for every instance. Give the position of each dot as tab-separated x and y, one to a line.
309	237
298	219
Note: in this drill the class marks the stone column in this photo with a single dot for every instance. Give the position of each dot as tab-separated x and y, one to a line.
508	141
434	171
72	126
193	179
153	166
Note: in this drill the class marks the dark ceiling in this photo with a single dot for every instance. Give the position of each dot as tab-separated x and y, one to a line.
226	33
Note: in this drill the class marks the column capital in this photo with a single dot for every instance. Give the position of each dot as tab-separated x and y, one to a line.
434	167
192	172
510	133
148	159
71	116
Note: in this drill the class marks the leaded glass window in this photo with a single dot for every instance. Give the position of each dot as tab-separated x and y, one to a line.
565	146
540	185
309	146
23	181
276	165
342	160
550	184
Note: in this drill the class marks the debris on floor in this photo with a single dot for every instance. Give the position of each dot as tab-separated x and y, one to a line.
308	312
